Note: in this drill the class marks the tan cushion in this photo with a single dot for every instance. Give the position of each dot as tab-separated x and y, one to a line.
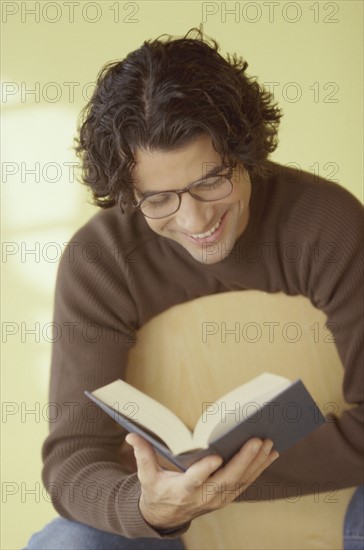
198	351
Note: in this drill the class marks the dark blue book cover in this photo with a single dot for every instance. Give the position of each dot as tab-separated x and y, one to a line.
288	417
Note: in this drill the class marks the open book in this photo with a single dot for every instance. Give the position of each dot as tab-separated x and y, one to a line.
269	406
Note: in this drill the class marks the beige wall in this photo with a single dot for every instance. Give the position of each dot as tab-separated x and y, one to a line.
310	50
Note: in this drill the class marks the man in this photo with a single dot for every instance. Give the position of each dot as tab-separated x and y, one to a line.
174	146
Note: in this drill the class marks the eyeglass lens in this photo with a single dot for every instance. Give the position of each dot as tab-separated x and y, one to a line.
162	205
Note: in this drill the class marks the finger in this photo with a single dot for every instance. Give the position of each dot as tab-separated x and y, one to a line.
235	469
249	478
145	456
134	439
201	470
251	457
273	455
264	459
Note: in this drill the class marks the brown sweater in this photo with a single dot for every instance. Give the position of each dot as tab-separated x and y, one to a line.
304	236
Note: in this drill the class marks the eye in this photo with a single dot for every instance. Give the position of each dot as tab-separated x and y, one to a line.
158	200
211	183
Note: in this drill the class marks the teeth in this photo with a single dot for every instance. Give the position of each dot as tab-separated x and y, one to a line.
208	233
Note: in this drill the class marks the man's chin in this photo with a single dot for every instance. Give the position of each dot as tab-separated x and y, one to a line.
207	253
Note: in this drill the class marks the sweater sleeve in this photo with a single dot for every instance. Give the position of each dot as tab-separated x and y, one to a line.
94	327
331	276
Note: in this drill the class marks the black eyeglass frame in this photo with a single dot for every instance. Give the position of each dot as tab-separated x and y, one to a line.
180	192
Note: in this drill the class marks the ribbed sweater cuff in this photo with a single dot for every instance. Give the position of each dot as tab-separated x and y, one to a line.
134	525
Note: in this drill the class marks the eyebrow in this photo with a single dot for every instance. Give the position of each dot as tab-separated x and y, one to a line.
212	172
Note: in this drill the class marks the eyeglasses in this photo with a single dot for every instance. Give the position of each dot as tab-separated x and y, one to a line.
162	205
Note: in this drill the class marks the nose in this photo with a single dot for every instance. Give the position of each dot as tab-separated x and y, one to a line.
193	216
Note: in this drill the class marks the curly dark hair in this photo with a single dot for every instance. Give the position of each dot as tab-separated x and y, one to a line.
161	97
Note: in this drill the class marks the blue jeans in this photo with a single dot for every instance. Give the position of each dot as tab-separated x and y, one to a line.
63	534
354	522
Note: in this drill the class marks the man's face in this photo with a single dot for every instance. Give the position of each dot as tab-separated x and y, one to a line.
173	170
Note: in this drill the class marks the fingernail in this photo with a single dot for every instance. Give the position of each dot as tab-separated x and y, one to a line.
131	445
274	456
215	462
256	446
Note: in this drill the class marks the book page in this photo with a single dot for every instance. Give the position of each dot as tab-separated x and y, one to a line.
220	416
140	408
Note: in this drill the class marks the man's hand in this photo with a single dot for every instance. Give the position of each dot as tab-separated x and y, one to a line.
170	499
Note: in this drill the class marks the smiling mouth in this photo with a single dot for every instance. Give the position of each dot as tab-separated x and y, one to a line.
208	233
